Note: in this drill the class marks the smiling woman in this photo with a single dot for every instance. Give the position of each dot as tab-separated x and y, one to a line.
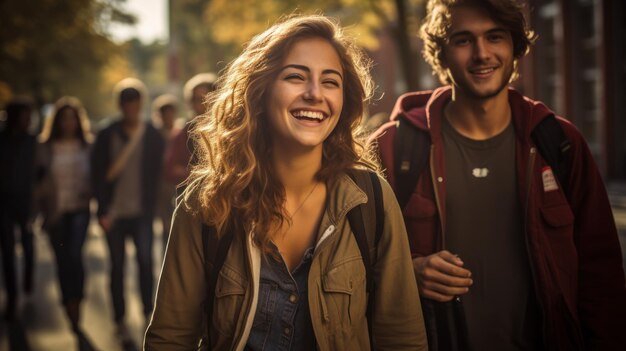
306	98
277	149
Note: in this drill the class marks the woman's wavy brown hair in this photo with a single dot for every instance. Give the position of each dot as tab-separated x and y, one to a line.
436	26
234	172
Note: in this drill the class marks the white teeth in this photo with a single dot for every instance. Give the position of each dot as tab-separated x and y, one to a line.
483	71
309	114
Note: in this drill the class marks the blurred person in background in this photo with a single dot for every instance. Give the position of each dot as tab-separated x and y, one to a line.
126	165
165	112
17	161
180	151
63	192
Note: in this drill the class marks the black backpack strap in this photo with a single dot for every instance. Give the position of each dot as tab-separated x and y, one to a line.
370	184
411	146
554	147
215	252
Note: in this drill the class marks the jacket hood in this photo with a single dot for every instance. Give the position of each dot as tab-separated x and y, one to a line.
424	109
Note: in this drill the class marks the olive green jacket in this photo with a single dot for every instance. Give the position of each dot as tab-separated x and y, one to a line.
336	293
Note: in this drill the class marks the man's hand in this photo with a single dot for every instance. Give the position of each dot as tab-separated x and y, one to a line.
105	223
441	276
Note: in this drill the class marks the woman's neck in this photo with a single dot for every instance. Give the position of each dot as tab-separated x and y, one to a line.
296	171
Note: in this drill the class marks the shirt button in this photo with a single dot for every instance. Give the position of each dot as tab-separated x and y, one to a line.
287	331
293	298
440	179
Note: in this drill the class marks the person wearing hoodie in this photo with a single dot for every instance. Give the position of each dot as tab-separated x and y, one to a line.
523	260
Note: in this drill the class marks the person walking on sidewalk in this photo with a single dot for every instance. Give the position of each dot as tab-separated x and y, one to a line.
180	152
17	161
126	165
165	112
63	193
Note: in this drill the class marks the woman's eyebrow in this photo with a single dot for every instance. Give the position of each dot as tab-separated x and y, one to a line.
307	69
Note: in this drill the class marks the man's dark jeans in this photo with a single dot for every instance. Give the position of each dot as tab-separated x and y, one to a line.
140	229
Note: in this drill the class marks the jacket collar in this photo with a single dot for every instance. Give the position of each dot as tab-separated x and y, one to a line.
424	109
343	195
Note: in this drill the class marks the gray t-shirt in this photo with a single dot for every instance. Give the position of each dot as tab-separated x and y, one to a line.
126	201
484	227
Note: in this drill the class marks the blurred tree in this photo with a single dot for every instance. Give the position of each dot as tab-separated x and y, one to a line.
149	63
50	48
235	22
193	48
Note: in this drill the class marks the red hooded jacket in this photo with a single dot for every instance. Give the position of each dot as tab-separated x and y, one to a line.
571	238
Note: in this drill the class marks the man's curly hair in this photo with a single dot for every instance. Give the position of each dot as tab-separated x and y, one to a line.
437	23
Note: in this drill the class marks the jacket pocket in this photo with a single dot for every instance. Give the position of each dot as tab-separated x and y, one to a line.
559	233
558	216
344	294
229	296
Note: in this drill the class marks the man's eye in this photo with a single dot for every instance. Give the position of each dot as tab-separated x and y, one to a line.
495	37
461	41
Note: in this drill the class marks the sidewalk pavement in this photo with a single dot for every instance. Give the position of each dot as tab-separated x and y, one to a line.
42	325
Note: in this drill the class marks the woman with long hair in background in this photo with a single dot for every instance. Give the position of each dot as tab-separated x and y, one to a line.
63	195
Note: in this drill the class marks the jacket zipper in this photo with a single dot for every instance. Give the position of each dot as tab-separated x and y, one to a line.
434	179
529	180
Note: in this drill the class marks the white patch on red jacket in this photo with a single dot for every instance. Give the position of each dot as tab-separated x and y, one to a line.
549	182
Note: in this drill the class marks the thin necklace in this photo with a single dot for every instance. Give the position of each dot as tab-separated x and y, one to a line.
303	201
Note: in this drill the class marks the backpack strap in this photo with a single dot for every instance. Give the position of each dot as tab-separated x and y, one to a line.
368	243
411	148
215	252
554	147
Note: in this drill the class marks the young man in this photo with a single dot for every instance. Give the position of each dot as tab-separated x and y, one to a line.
179	151
533	262
126	166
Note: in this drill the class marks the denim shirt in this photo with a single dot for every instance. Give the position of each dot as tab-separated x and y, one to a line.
283	321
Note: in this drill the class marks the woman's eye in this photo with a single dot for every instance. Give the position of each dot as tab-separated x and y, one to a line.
294	77
331	82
